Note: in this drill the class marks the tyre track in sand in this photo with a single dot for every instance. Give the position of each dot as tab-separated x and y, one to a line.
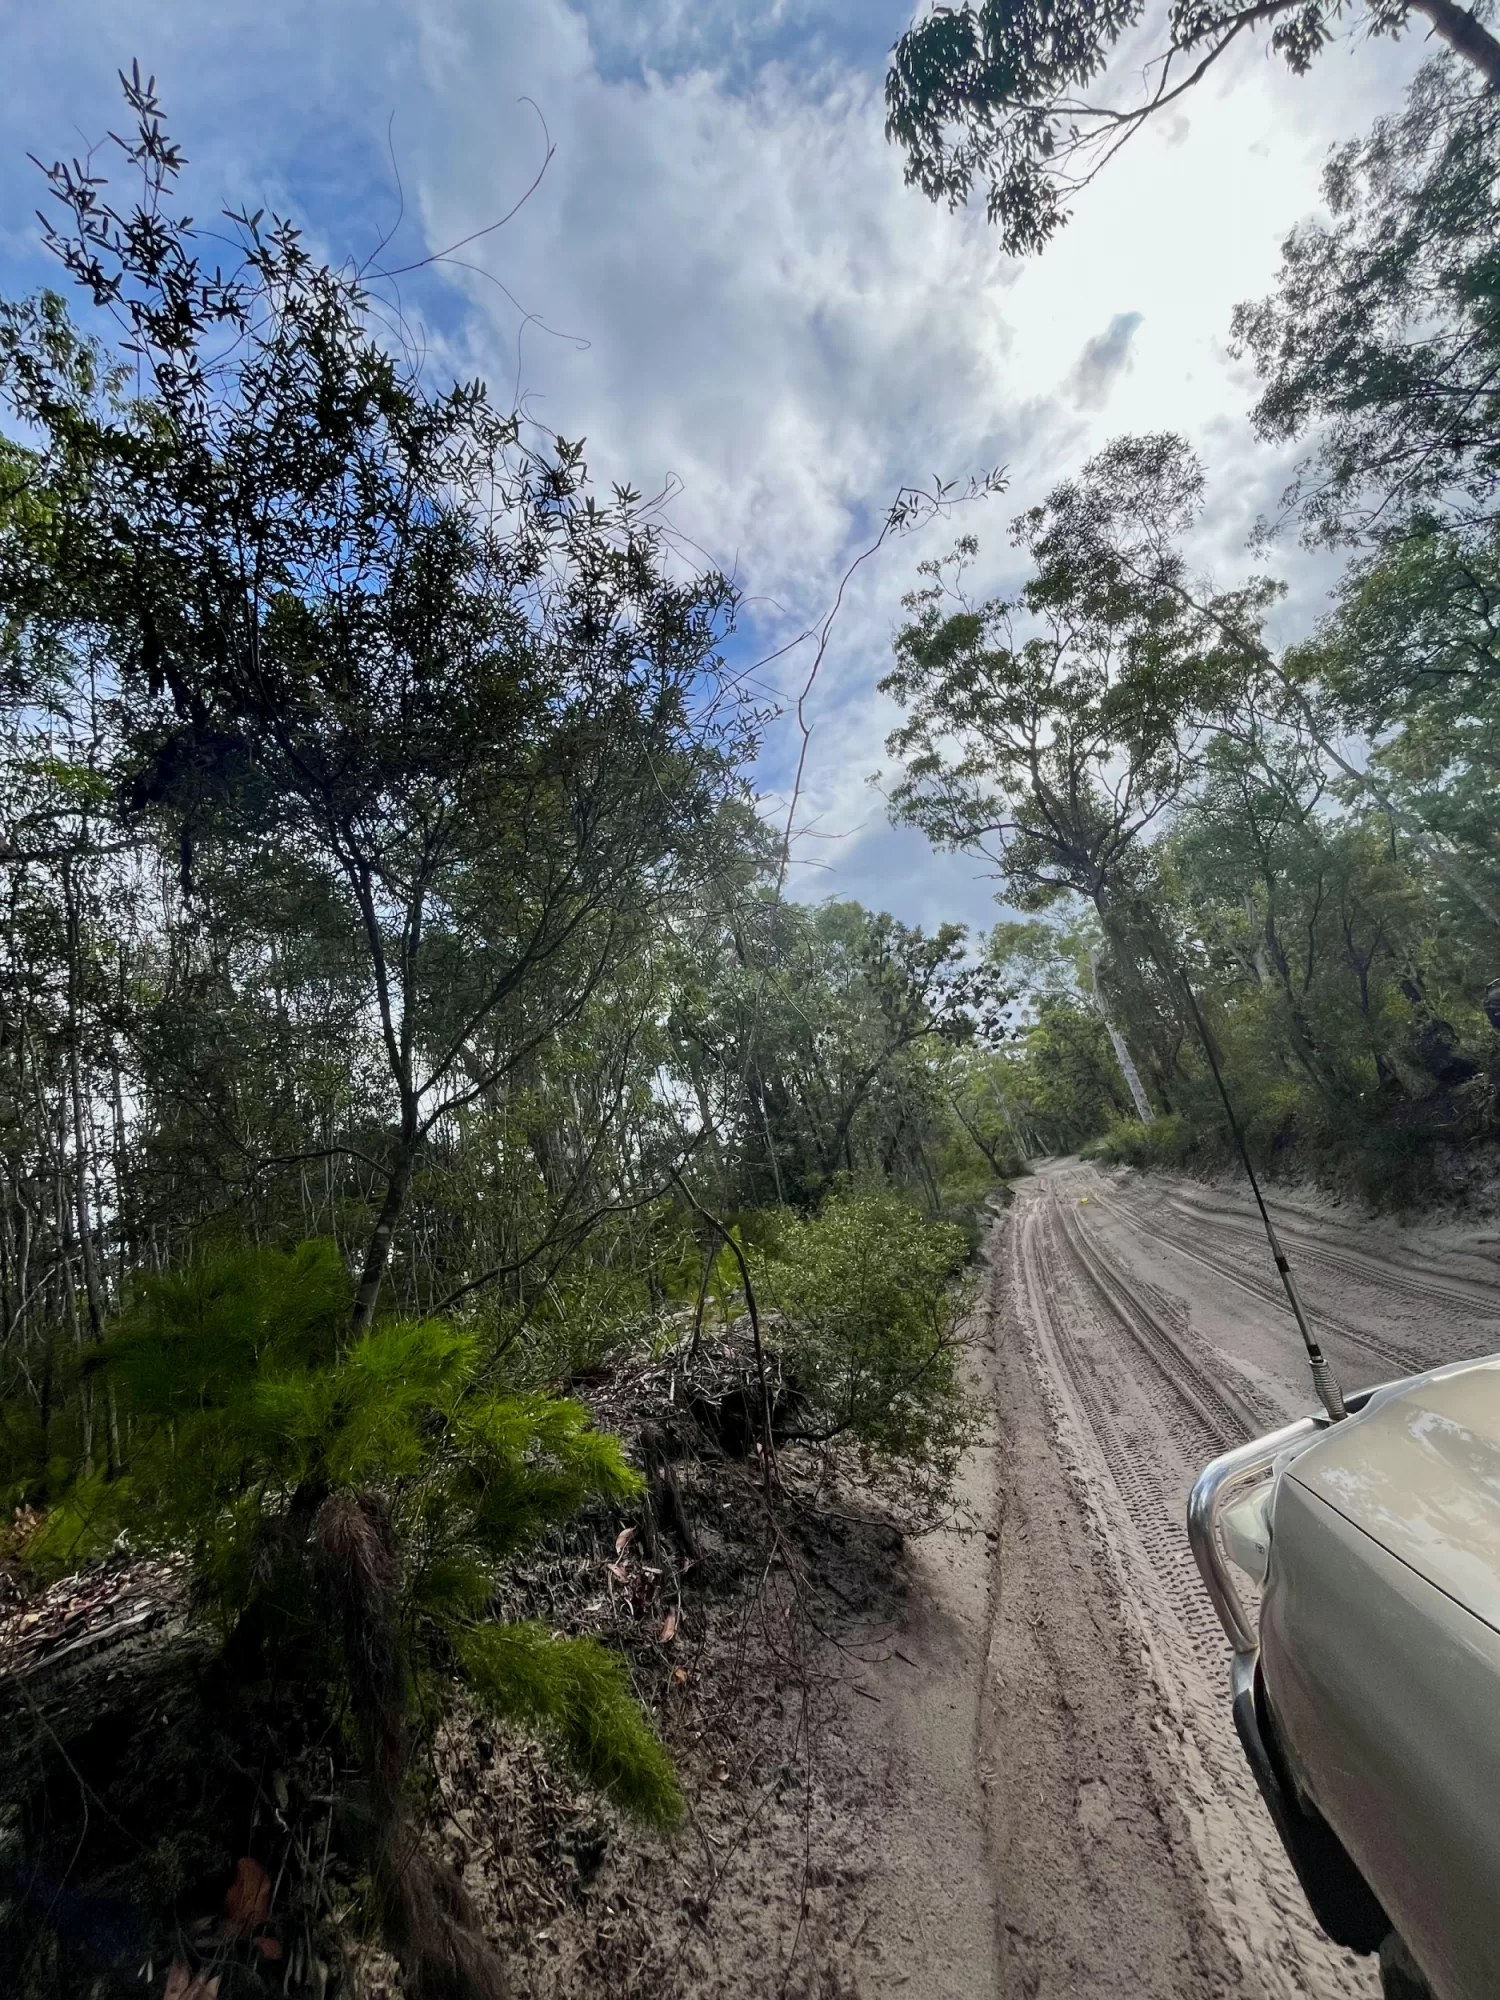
1413	1274
1144	1320
1234	1248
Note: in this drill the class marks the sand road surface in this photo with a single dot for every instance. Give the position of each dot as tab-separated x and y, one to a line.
1065	1664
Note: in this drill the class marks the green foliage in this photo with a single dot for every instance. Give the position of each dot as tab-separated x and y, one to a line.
384	866
1065	1076
872	1300
572	1328
1411	658
574	1693
999	93
1165	1142
1383	335
250	1410
814	1042
428	720
1052	731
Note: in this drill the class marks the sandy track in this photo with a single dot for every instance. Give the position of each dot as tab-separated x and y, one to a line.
1138	1330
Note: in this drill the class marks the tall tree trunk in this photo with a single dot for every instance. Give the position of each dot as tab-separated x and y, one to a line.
70	1307
1123	1056
758	1093
973	1131
378	1252
1018	1131
1462	32
93	1288
929	1181
126	1249
1257	931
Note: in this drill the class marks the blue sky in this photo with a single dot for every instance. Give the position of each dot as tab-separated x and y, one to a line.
733	290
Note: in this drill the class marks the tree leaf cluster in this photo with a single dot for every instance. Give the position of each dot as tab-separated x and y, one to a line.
1032	98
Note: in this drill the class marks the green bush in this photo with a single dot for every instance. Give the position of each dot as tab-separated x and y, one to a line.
344	1504
872	1301
1165	1142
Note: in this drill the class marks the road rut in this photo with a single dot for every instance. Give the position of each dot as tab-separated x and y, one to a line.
1138	1329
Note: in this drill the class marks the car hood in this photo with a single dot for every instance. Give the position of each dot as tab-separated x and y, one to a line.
1419	1471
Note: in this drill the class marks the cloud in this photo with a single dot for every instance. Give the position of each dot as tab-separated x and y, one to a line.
1104	358
771	323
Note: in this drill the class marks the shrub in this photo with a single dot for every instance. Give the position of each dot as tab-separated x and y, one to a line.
344	1504
872	1301
1166	1141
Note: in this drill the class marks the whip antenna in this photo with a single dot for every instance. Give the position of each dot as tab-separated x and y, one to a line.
1324	1380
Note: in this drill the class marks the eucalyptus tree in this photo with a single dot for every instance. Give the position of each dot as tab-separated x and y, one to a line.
369	633
1381	340
1052	731
1410	659
1262	882
1062	730
1022	98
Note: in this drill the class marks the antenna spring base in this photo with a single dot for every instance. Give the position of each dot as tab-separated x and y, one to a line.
1329	1393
